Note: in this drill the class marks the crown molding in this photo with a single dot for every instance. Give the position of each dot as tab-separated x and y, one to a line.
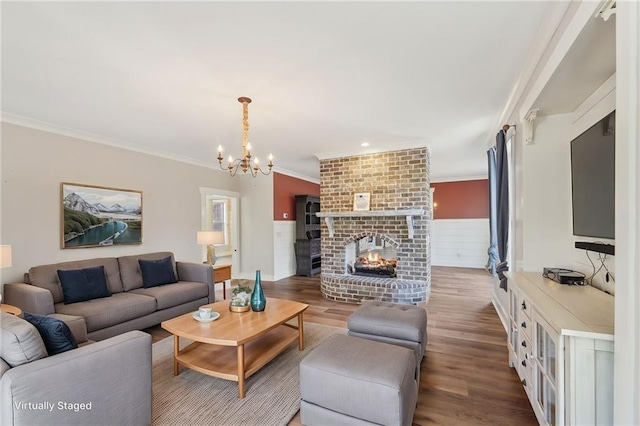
296	175
90	137
596	97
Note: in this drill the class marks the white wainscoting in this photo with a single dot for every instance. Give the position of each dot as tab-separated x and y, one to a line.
284	259
459	242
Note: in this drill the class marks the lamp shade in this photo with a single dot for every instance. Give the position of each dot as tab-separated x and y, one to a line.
5	256
210	237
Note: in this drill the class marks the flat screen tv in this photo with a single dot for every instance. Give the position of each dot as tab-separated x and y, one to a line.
593	180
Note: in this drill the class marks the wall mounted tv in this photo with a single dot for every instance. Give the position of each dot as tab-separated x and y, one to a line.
593	180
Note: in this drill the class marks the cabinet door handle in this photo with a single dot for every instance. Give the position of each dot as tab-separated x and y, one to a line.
524	343
524	382
524	305
524	363
524	324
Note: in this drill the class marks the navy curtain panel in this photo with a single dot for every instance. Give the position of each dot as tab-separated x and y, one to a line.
492	251
502	203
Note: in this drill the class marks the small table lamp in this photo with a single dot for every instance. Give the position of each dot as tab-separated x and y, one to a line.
210	238
5	259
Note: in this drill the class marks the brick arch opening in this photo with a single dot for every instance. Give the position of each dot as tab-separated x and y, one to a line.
361	235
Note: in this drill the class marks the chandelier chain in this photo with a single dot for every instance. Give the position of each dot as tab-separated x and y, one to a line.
244	163
245	124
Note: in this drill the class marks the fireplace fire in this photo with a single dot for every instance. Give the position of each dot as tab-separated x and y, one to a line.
373	265
371	256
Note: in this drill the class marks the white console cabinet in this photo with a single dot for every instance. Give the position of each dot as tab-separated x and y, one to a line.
561	344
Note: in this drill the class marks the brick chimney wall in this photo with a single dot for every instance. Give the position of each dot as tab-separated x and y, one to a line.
396	180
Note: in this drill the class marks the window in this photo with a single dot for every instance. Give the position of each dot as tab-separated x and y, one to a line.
219	215
218	212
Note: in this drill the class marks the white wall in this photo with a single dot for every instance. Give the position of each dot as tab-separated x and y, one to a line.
459	242
546	199
544	229
34	163
256	226
284	259
627	336
546	192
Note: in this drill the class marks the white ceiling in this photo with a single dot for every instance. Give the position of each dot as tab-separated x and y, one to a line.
324	76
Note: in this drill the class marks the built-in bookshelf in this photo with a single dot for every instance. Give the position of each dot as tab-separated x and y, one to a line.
308	255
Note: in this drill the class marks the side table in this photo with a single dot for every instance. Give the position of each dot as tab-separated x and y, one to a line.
10	309
222	273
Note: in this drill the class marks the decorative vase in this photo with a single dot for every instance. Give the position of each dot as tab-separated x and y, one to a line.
258	301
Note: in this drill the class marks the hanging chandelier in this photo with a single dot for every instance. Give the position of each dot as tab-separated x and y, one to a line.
244	163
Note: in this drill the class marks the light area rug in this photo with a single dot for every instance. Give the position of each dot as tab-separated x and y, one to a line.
272	395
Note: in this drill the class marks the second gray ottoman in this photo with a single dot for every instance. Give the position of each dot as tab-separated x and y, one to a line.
350	381
404	325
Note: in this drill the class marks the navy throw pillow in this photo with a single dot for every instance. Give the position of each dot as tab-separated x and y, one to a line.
157	272
79	285
56	334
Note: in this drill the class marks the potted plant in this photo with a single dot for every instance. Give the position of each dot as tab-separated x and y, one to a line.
240	299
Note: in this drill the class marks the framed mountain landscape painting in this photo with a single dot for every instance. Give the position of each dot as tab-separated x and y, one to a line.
96	216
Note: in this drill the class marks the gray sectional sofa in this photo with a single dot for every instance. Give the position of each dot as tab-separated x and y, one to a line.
130	306
103	383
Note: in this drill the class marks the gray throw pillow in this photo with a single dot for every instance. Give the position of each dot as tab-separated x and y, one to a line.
21	342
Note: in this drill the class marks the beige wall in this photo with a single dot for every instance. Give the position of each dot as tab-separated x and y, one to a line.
256	227
35	162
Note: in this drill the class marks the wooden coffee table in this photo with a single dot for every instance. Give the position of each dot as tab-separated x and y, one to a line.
236	345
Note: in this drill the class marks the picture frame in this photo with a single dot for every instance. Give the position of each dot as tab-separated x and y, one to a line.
361	201
99	216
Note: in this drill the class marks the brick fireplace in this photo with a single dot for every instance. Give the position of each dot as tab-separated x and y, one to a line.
398	223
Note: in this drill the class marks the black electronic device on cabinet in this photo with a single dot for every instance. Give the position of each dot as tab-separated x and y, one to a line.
307	248
596	247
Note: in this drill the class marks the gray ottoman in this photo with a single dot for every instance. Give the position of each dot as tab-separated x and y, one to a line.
352	381
403	325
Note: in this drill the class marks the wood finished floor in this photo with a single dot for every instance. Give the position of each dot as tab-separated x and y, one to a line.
465	377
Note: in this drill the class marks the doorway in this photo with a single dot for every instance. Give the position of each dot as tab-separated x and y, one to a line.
220	212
